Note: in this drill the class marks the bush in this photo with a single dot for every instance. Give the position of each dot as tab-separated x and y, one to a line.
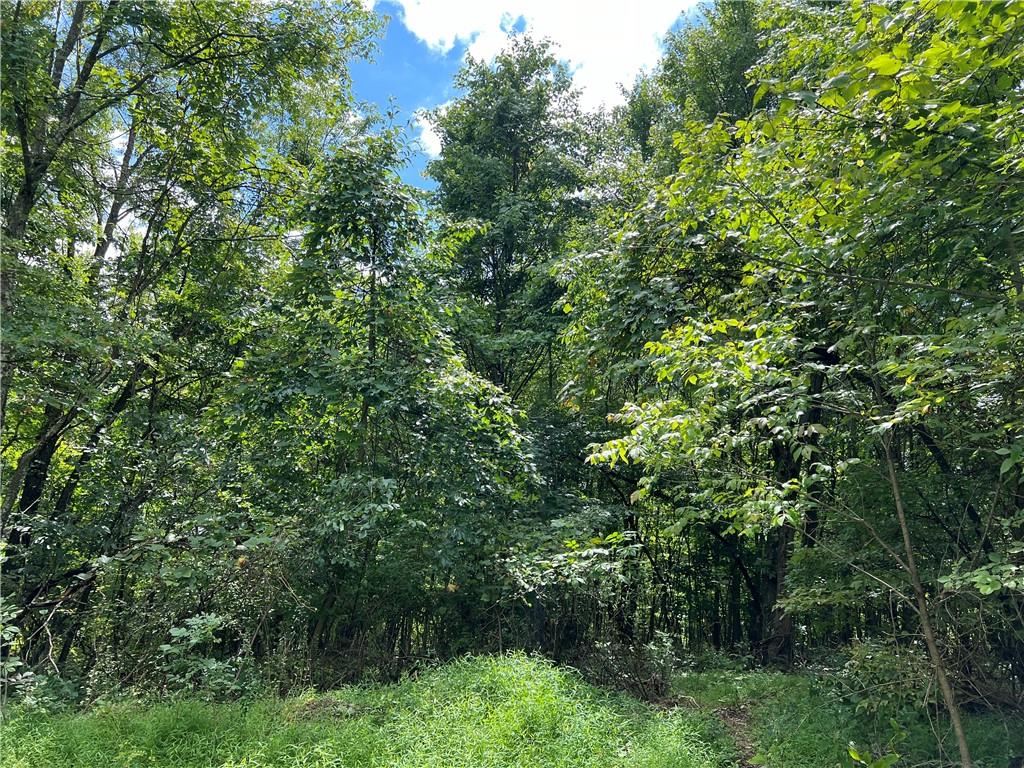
642	670
886	680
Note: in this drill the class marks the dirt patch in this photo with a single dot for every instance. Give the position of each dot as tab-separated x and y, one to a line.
737	723
324	707
671	702
735	719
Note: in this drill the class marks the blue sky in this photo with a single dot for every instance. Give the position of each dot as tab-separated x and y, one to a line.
407	72
425	42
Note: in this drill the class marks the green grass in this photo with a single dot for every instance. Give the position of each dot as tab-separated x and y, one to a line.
492	712
486	712
796	721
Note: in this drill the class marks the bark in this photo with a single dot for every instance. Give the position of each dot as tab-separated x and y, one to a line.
114	216
74	30
92	444
777	636
938	665
81	609
50	431
39	468
40	149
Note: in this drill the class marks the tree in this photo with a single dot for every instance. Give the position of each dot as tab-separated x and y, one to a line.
403	471
511	149
147	180
872	208
704	70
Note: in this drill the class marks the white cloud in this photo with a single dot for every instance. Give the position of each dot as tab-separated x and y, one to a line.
607	42
428	139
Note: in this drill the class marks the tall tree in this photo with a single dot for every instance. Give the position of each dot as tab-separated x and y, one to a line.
149	170
704	70
873	209
511	153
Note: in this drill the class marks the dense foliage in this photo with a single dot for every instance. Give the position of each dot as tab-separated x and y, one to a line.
734	368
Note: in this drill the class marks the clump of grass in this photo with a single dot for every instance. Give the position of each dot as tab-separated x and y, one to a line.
486	712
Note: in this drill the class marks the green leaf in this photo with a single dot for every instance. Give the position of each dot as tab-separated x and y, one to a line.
885	64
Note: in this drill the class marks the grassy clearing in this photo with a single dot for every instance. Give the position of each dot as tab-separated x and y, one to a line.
486	712
796	721
492	712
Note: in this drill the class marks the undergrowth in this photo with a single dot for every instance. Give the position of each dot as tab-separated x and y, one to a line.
799	721
508	711
487	712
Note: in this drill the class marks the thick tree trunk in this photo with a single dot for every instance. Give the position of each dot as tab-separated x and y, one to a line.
778	637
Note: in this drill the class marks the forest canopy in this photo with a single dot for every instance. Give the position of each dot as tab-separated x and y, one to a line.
734	370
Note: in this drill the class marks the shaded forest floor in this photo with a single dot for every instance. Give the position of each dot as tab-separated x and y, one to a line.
488	712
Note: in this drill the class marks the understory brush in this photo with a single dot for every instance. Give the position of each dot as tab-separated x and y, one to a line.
803	720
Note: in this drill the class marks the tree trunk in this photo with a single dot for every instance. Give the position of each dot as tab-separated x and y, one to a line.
938	666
